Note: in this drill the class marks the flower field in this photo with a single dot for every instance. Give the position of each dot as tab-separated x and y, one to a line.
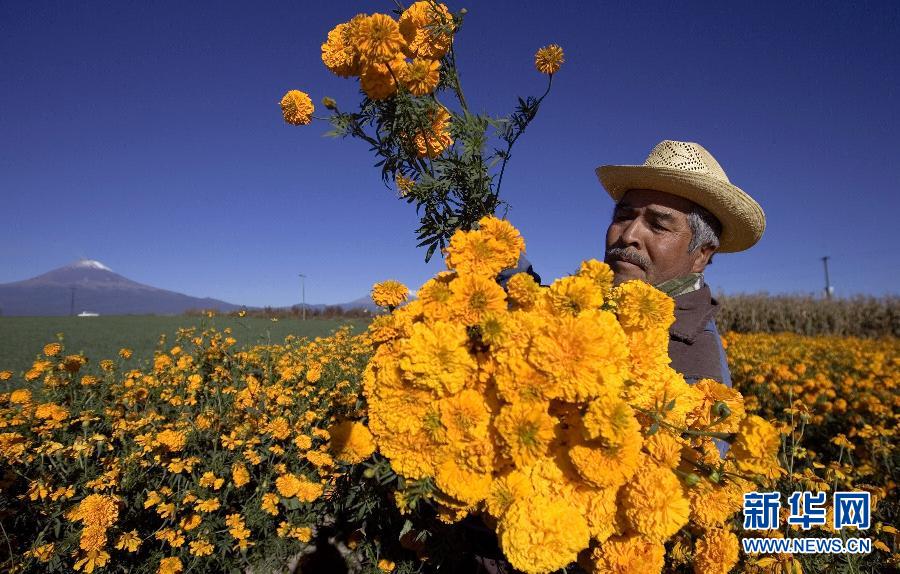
548	416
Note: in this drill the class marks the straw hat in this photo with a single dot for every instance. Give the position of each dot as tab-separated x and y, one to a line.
687	170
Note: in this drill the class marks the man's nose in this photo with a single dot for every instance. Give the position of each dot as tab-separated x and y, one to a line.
631	233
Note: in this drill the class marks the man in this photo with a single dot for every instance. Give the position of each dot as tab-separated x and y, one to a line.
672	213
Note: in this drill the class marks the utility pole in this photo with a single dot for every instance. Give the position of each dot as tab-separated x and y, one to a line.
828	287
303	295
72	302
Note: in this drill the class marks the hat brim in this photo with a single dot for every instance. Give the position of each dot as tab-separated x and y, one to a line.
742	218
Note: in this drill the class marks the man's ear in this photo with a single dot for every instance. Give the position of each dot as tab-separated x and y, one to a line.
702	257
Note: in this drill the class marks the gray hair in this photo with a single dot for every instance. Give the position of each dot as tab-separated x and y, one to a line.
705	228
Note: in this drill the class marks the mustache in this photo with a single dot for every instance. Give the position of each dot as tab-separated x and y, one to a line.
629	255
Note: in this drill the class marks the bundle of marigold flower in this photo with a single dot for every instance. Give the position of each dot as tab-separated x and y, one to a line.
555	415
415	118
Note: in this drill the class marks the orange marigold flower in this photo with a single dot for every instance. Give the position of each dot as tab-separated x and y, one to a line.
171	565
421	76
378	39
379	80
548	59
389	293
351	442
474	297
297	108
437	138
339	56
52	349
427	29
239	474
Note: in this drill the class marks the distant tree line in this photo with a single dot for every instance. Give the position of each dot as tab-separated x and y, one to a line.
294	312
807	315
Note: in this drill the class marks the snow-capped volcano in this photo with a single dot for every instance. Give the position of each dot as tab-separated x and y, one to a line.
89	285
90	264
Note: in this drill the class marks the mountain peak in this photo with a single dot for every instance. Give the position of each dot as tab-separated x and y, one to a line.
89	264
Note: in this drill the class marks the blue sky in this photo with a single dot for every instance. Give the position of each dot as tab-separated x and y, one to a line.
147	135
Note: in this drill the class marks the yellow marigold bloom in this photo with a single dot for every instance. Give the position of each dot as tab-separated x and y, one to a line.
173	440
171	565
379	80
654	504
297	108
208	505
421	76
527	430
598	272
200	548
548	59
473	297
427	29
236	527
239	474
19	396
505	490
436	138
461	482
52	349
378	39
435	296
389	293
386	565
573	295
191	522
89	380
664	448
279	428
608	465
465	416
269	503
319	459
632	553
125	353
505	233
666	392
716	552
712	505
303	442
210	480
435	357
541	534
97	510
93	538
92	560
340	57
166	510
351	442
173	537
583	356
715	393
756	447
643	306
287	485
523	291
477	253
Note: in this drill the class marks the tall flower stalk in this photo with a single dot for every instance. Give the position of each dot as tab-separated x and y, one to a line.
443	158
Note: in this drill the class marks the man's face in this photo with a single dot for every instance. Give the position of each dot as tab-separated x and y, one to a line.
649	236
